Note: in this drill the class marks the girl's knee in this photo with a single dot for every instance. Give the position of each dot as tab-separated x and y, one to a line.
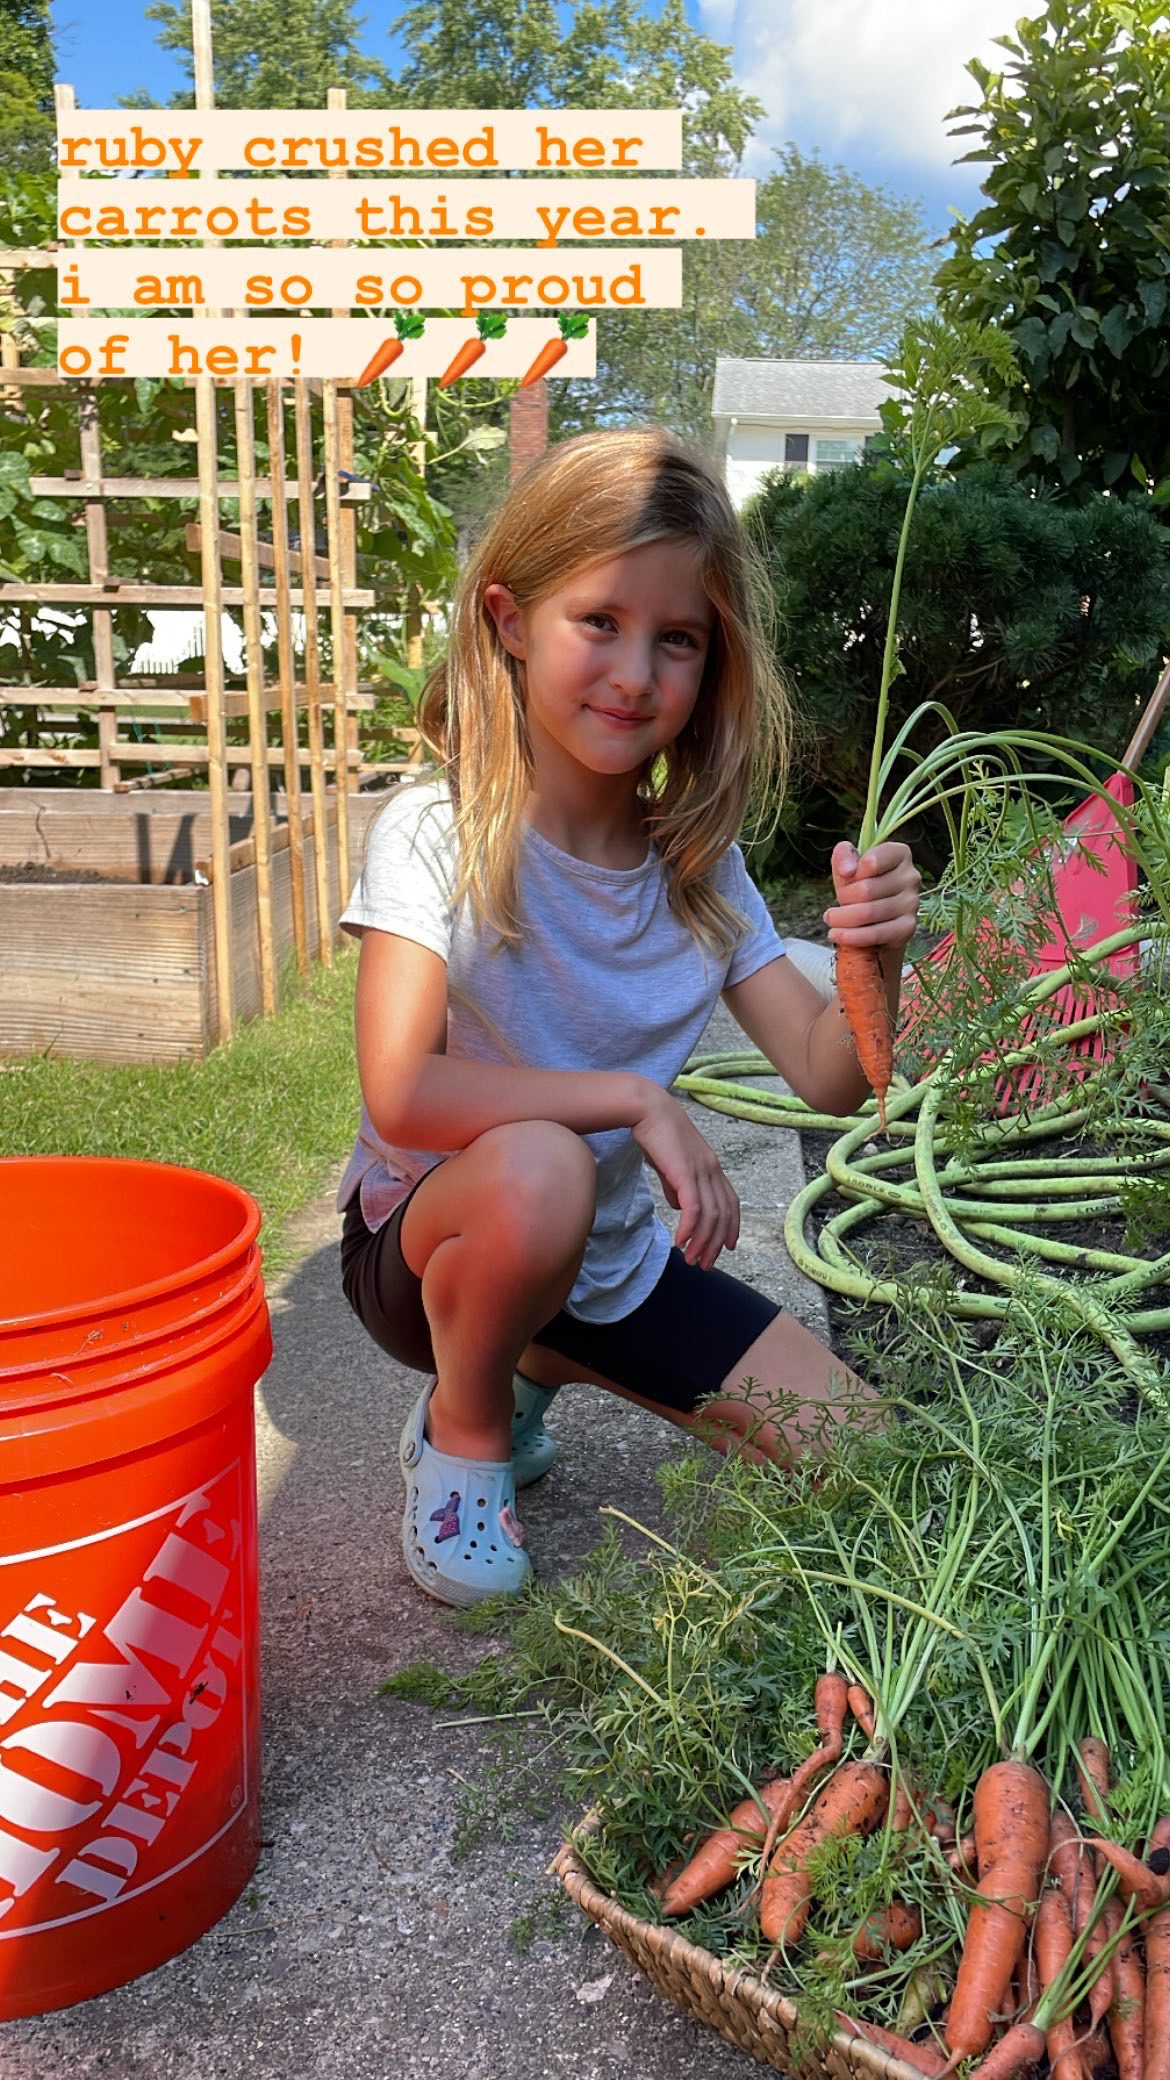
541	1180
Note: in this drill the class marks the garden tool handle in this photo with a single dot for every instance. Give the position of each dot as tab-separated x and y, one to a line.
1152	715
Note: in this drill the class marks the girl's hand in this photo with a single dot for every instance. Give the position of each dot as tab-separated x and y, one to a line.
693	1178
877	896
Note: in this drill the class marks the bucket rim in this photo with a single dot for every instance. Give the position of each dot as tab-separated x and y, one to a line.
154	1289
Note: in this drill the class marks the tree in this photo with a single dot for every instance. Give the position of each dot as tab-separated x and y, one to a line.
273	53
835	267
27	68
1070	253
1018	610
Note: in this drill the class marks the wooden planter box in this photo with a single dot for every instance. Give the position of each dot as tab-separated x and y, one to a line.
122	969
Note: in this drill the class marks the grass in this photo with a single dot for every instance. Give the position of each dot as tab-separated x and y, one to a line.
272	1110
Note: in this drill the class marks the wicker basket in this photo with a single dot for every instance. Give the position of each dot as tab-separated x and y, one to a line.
730	1999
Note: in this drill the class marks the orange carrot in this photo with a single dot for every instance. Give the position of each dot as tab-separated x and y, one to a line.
921	2058
852	1802
717	1859
962	1859
549	355
1127	2016
1011	1841
1054	1939
1136	1880
1093	1771
862	990
830	1704
469	353
1157	1935
862	1709
888	1928
379	362
1018	2052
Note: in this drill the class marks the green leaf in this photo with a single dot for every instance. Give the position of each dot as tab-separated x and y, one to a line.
1153	296
1136	470
1116	330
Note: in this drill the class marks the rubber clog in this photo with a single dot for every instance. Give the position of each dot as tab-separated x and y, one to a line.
533	1450
461	1538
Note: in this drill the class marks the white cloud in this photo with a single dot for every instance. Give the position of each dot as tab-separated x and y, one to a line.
851	76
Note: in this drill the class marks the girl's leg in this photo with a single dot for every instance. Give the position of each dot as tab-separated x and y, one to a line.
496	1235
786	1360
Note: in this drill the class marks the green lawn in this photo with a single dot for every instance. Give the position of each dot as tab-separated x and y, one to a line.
272	1110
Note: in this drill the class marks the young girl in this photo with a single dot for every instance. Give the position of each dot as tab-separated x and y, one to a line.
545	931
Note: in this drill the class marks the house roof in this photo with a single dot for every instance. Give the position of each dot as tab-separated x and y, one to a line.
846	390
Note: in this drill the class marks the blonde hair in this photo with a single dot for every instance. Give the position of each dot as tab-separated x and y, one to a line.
586	501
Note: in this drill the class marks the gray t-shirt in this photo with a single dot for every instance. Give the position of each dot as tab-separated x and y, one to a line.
605	977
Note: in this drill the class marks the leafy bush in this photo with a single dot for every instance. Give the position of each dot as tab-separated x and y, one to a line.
1017	611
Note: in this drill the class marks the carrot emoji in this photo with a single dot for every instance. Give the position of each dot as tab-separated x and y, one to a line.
574	325
1011	1845
1157	1935
489	325
852	1802
408	326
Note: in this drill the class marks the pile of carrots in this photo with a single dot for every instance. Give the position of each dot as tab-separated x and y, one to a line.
1066	1953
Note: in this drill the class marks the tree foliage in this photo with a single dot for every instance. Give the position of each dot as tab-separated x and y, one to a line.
273	53
1070	253
1018	610
27	68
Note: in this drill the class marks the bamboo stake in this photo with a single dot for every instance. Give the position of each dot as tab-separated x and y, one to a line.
337	631
205	421
303	419
207	434
257	717
286	666
336	97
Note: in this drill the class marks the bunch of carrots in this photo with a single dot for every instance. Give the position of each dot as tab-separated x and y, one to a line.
1055	1962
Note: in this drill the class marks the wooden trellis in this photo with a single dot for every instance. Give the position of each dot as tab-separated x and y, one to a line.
312	456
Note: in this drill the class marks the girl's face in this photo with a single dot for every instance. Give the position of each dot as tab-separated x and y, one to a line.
613	659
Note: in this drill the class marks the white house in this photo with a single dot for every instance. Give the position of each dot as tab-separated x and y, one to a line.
798	415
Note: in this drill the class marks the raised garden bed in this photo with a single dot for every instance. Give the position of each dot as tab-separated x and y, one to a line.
107	924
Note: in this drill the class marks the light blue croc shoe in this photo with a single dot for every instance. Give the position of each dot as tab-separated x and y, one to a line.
461	1538
533	1450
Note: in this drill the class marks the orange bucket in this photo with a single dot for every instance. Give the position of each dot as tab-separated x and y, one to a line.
133	1329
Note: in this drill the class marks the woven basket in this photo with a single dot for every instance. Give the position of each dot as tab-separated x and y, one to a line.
730	1999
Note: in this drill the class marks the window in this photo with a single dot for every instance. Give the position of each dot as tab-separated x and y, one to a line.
837	454
795	451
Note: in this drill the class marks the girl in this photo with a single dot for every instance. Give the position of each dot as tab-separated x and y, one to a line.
545	931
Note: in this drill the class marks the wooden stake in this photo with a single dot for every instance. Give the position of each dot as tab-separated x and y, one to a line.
257	716
205	421
337	631
336	97
287	669
303	419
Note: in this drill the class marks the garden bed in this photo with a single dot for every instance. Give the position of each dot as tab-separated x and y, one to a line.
107	922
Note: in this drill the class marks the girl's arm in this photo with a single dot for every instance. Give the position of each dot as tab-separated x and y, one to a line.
419	1097
807	1041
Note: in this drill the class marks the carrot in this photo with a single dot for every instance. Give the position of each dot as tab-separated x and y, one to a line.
554	351
1127	2015
379	362
1093	1771
921	2058
862	990
1018	2052
1157	1934
469	353
888	1928
1054	1940
717	1859
852	1802
830	1704
1136	1881
862	1709
1011	1842
1095	2053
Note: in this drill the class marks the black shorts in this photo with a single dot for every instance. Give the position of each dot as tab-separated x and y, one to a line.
677	1346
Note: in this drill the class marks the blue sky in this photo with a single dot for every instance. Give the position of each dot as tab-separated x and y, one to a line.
866	82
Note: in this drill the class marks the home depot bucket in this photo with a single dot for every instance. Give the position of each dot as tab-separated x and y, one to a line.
133	1328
